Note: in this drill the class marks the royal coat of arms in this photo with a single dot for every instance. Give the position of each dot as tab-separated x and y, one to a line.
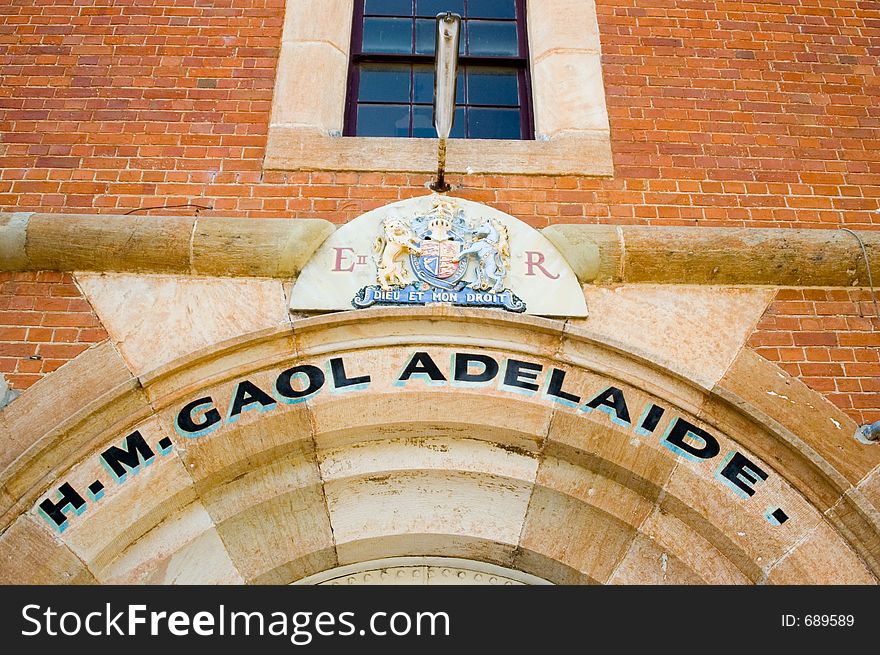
427	259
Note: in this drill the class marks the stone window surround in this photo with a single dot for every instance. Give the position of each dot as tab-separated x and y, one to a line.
572	135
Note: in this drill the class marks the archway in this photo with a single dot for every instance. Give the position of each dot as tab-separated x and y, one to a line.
516	441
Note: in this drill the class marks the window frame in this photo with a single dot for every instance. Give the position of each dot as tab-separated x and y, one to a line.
520	63
572	135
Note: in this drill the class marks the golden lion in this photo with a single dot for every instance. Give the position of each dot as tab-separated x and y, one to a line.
388	251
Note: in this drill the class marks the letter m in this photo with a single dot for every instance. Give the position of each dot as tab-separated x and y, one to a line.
133	453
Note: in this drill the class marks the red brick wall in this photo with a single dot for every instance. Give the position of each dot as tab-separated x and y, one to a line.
44	322
830	339
722	113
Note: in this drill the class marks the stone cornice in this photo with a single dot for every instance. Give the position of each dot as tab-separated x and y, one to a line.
279	248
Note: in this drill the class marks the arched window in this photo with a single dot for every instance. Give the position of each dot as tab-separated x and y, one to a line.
391	76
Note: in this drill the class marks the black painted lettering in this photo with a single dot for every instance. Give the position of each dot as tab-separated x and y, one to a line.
463	362
743	473
246	395
652	418
340	379
422	364
554	388
54	512
284	382
522	374
676	441
134	452
188	426
612	402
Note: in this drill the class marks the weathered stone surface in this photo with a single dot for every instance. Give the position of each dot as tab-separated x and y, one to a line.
426	512
183	549
299	65
646	563
441	454
817	422
592	441
801	466
128	509
567	25
607	357
269	247
273	521
595	255
870	487
253	440
734	526
155	319
54	400
576	153
438	325
29	554
693	331
322	21
821	558
746	256
720	256
577	535
159	244
858	521
574	79
74	242
218	363
693	550
13	231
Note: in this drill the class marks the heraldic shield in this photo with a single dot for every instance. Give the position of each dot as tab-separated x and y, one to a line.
437	245
438	264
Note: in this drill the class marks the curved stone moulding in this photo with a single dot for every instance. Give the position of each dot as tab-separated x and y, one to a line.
432	468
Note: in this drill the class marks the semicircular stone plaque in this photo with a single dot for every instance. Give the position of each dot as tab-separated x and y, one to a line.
438	249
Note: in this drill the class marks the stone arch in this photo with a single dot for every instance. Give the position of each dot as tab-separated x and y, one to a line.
502	474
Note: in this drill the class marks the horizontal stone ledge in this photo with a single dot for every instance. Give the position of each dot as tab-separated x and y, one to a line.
234	247
605	254
280	248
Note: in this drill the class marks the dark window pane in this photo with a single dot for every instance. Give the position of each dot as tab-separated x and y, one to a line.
387	35
423	123
492	38
426	37
388	8
492	9
383	120
493	86
423	79
493	123
388	83
434	7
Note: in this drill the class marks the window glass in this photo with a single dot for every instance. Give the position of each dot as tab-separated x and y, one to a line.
434	7
384	83
383	120
426	37
388	8
491	9
423	80
486	38
392	35
493	86
493	123
423	123
392	73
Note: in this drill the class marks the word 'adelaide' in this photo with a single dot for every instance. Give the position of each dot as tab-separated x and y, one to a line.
298	383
